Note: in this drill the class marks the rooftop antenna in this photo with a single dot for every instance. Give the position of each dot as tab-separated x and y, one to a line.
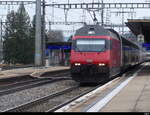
102	13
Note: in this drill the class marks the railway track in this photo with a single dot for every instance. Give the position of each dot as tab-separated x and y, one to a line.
53	101
56	73
12	80
18	83
22	78
10	85
7	83
113	87
72	99
27	84
127	73
39	101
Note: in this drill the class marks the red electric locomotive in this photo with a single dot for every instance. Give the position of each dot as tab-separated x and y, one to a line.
98	54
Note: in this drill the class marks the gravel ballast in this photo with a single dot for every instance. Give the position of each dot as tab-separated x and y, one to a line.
15	99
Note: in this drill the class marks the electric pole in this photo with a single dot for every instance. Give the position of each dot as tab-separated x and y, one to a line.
38	48
43	34
122	21
1	23
102	14
1	42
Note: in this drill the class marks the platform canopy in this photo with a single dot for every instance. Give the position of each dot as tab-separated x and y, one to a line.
140	26
59	45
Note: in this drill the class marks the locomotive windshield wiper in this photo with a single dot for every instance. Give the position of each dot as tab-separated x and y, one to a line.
102	49
78	49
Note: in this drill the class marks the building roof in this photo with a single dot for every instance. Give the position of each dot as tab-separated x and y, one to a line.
140	26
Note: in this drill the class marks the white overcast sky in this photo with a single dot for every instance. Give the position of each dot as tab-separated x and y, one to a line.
77	15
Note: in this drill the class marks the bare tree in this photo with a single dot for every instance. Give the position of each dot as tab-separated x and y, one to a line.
55	36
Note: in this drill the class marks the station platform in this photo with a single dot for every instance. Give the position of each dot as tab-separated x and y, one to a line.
33	71
133	95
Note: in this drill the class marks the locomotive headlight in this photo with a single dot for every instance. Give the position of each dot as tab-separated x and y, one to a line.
77	64
101	64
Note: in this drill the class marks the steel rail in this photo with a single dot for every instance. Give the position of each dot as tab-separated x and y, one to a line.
20	83
71	100
24	78
31	85
15	78
39	100
55	73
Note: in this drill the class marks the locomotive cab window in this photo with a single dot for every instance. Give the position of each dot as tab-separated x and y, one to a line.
90	45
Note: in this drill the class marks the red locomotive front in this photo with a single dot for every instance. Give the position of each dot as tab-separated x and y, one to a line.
95	54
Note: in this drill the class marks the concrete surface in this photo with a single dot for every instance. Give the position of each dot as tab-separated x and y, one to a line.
135	97
34	71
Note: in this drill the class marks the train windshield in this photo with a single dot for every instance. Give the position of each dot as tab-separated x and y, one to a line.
90	45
